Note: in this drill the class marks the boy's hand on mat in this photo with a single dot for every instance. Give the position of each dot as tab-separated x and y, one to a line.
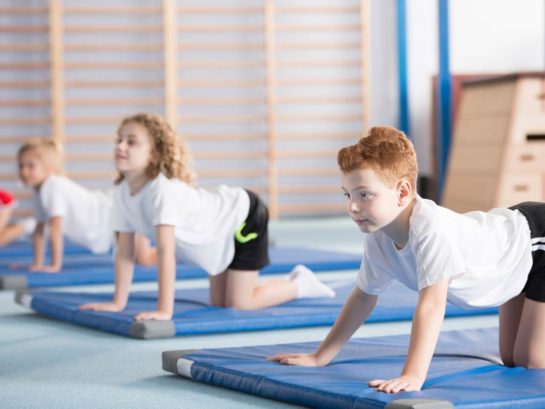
153	315
297	359
45	269
403	383
106	306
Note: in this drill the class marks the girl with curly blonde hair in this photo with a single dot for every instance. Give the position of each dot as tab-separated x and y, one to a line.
224	231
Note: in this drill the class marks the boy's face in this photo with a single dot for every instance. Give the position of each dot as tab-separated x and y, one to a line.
132	149
32	169
371	203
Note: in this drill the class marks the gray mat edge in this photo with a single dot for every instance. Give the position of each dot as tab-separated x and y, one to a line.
170	359
22	296
13	282
419	404
151	329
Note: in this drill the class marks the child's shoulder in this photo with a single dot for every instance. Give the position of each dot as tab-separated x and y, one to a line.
428	217
164	188
163	184
55	184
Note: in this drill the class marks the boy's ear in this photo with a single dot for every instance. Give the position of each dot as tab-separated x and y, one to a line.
405	192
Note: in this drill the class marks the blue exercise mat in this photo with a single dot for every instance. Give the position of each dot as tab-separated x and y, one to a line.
23	248
94	269
193	315
464	373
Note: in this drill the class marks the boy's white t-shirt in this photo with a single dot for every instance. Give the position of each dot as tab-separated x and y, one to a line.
486	255
86	213
205	221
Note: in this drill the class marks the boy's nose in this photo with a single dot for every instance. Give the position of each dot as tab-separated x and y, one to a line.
353	207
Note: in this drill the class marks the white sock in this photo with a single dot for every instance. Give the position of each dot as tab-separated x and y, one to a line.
308	285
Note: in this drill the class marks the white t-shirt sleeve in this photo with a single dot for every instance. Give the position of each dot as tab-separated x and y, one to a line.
37	210
164	206
437	258
373	277
120	222
52	199
369	280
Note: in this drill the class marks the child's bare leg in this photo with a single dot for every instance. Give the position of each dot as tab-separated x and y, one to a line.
217	289
10	233
244	292
145	254
510	314
529	351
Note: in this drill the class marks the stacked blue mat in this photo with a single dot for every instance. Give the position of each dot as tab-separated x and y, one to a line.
83	269
464	373
193	315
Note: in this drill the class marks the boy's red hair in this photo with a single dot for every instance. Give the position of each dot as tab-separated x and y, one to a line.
385	150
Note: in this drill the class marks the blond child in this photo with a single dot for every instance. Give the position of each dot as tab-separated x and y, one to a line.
82	215
12	230
224	231
475	259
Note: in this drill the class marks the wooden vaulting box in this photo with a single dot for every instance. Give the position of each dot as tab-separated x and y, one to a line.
497	155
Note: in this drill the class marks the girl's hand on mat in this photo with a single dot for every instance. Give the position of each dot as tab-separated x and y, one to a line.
45	269
153	315
403	383
297	359
107	306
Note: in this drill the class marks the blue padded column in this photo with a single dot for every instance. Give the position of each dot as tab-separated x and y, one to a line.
404	121
444	98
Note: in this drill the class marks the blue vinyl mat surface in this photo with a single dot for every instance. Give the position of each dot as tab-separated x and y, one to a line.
82	269
22	248
193	315
464	372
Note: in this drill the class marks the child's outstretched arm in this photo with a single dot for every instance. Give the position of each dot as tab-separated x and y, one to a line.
124	266
9	231
5	215
38	245
426	326
356	310
166	263
57	247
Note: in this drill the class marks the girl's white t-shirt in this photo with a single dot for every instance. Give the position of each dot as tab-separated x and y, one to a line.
486	255
86	214
205	221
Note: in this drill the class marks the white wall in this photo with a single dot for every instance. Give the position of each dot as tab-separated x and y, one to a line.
499	36
383	63
422	56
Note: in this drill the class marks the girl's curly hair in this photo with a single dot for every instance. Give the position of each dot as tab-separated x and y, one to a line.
170	155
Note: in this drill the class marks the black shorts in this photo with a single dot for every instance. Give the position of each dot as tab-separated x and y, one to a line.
252	238
535	214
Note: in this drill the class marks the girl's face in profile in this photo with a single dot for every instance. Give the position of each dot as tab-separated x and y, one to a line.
133	149
32	169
